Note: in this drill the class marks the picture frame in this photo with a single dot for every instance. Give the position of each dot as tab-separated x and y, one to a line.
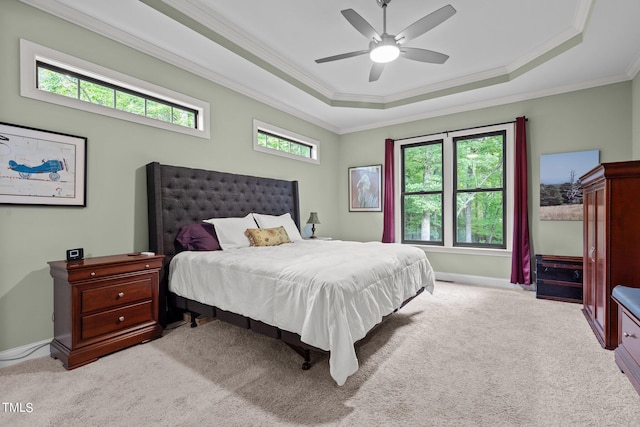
560	185
40	167
365	188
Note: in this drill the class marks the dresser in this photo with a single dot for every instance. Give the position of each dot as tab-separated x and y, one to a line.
102	305
611	250
559	278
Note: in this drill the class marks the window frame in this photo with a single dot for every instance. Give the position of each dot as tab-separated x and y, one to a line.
269	129
448	218
502	189
440	142
32	53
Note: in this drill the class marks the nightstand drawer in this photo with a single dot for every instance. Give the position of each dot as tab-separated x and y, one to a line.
138	288
115	320
630	336
96	271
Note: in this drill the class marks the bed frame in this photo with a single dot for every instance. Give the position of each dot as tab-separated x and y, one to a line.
178	196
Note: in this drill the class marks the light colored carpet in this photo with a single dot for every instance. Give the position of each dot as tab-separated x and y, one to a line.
464	356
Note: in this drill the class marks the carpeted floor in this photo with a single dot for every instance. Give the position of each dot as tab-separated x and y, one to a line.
464	356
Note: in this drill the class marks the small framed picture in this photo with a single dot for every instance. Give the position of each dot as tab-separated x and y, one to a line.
39	167
365	188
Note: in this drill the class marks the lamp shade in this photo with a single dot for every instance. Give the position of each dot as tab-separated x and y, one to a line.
313	218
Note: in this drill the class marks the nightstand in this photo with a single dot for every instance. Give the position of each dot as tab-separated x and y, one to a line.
102	305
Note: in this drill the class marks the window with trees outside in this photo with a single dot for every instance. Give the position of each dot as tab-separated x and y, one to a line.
55	77
273	140
61	81
455	189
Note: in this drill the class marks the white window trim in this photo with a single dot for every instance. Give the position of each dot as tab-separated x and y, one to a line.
448	190
31	52
266	127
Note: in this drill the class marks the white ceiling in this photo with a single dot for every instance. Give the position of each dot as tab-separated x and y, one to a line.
500	51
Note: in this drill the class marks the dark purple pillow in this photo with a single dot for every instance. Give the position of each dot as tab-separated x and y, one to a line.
198	237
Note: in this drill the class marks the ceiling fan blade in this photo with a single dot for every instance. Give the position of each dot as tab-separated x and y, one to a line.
360	24
376	71
423	55
426	23
341	56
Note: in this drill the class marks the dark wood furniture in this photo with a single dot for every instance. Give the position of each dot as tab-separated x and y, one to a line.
102	305
627	354
559	278
178	196
611	234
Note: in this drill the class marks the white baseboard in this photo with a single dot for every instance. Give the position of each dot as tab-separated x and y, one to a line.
20	354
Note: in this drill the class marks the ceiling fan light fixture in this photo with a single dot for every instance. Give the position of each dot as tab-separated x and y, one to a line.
384	52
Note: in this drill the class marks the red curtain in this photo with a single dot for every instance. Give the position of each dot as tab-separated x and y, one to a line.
521	251
388	234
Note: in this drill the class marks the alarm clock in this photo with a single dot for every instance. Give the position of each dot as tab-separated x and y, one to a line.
75	254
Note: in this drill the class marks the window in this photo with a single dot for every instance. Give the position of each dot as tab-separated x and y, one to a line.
273	140
454	189
55	77
74	85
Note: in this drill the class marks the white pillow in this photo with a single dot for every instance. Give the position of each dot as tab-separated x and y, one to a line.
230	231
273	221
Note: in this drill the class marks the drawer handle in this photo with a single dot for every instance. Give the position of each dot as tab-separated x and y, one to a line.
121	319
120	294
93	273
146	266
627	334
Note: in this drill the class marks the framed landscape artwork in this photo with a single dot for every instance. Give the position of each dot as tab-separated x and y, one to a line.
365	186
41	167
560	186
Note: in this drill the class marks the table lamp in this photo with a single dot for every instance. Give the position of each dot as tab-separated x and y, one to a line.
313	220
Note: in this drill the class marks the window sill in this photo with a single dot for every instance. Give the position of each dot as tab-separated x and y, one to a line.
506	253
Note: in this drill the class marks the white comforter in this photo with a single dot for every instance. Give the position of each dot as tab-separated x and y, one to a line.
329	292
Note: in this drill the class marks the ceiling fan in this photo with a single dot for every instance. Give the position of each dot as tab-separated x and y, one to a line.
385	48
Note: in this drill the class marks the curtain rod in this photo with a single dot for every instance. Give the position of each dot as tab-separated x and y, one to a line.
456	130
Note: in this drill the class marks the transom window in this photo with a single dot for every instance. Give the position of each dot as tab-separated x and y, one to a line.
51	78
453	189
55	77
273	140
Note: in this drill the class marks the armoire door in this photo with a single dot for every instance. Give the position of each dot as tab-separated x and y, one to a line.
601	284
589	275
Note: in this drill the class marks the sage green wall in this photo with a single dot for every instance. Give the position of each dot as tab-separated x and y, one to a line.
598	118
635	110
114	220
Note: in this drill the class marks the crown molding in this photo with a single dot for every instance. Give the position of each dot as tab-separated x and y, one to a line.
491	103
233	38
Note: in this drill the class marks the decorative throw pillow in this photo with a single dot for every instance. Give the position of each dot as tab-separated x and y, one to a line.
285	220
230	231
267	236
197	237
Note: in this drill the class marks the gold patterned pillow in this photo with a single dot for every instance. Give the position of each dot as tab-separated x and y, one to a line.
267	236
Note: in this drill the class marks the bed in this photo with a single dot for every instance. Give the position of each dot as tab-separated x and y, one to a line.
305	292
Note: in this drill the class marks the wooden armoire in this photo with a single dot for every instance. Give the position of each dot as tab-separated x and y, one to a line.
611	242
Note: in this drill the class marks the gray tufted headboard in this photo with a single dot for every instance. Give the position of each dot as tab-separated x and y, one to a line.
178	196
